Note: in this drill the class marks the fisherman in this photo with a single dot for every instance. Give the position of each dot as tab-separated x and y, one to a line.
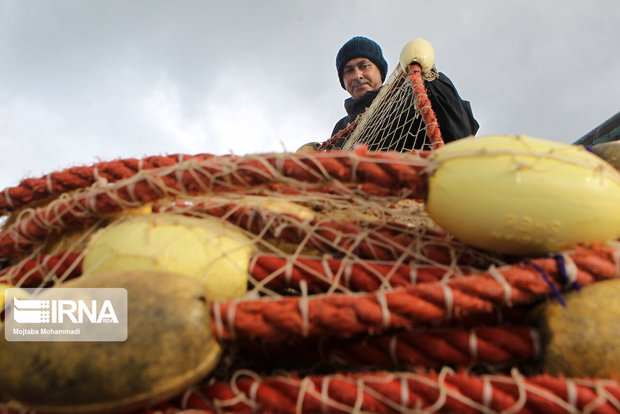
362	70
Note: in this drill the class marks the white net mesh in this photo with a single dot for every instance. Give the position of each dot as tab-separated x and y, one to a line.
393	122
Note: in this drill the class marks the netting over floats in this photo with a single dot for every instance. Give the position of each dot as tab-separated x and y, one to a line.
356	299
400	118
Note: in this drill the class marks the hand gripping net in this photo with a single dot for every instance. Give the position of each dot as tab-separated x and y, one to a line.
400	118
357	301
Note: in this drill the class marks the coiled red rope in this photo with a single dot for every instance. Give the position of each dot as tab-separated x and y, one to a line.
34	272
321	274
428	347
379	174
458	299
388	392
33	190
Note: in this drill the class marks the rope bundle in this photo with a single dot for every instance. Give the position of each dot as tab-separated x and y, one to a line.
443	392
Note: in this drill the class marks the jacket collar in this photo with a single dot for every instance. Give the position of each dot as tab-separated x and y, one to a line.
354	107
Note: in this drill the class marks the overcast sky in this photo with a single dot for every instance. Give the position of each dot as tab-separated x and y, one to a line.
82	81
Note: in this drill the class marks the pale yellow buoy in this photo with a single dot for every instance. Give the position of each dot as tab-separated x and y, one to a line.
207	249
523	196
581	339
419	51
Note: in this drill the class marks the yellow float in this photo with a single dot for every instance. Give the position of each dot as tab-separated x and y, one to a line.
523	196
205	248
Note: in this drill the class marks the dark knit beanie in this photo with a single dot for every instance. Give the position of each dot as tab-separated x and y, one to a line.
360	47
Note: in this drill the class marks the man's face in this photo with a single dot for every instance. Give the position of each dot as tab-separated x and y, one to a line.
360	75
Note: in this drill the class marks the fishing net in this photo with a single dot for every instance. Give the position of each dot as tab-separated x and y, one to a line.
354	292
356	300
400	118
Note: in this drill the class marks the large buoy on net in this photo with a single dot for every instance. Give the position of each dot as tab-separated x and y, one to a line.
581	338
169	347
418	51
207	249
523	196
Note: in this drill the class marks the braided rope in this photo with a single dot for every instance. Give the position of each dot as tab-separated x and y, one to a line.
33	190
342	316
320	274
34	272
430	347
423	103
388	392
272	271
323	273
459	299
378	174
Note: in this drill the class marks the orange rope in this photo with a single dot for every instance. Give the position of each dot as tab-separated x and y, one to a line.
320	274
379	174
33	190
39	271
468	299
430	347
388	392
591	264
423	103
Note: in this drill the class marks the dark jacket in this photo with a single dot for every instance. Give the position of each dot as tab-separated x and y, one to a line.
454	115
355	107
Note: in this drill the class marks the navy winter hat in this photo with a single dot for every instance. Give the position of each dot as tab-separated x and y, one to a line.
359	47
